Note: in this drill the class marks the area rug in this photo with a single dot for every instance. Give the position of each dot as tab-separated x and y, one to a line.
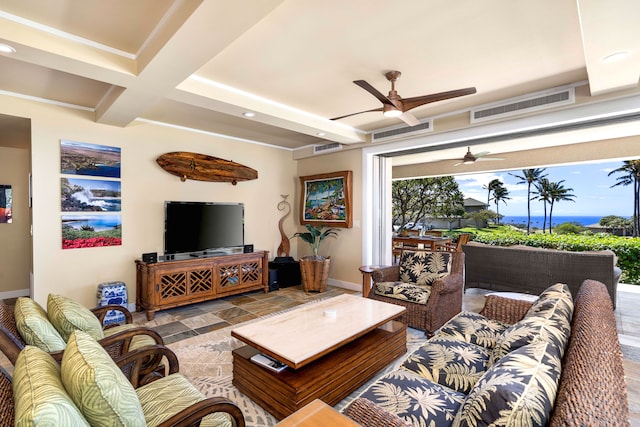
207	362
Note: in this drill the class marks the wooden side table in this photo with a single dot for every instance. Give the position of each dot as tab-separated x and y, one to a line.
367	271
317	414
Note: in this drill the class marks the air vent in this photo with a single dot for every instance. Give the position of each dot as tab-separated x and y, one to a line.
388	134
321	149
522	105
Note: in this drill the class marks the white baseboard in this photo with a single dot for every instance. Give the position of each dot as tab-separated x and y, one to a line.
14	294
345	285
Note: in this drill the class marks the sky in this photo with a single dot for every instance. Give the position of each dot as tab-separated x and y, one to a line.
590	184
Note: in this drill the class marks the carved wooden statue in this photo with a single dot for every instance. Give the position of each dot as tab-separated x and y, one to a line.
283	249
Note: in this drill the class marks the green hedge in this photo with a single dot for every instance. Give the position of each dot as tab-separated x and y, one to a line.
627	249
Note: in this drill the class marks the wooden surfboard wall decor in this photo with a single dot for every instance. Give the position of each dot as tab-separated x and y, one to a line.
201	167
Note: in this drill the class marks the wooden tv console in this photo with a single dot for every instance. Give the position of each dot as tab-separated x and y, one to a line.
169	284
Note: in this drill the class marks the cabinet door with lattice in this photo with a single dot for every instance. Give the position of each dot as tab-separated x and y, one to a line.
239	274
180	284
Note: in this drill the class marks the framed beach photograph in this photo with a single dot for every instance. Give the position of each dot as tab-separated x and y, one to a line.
80	158
89	195
91	231
325	199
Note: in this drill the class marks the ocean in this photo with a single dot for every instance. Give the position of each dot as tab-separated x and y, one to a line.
538	221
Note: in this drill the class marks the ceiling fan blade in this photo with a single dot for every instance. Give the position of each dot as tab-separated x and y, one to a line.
353	114
481	154
482	159
416	101
375	92
409	119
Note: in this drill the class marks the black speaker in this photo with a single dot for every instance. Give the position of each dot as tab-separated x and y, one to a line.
150	257
273	280
247	249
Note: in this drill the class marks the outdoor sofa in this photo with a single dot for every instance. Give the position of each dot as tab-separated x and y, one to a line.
530	270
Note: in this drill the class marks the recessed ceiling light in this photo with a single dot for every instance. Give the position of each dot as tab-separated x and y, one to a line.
321	134
249	114
5	48
615	56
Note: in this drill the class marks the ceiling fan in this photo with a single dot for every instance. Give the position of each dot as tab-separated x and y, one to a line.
472	158
393	105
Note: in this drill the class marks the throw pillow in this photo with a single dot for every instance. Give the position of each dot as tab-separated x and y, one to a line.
35	328
519	390
97	385
449	362
423	268
40	398
473	328
68	316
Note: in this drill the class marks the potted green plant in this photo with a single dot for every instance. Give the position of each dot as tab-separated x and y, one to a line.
315	268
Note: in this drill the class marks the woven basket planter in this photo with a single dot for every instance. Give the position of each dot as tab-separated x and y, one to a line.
315	274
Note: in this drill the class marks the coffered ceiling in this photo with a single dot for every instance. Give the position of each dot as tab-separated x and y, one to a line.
203	63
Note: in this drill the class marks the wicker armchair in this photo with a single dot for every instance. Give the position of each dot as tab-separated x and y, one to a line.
7	410
11	342
443	302
133	365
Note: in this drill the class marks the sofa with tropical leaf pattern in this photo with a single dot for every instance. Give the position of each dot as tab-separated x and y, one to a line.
515	363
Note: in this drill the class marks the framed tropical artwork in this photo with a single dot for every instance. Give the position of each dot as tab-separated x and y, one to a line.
325	199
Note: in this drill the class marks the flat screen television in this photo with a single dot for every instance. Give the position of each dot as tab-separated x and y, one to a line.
191	227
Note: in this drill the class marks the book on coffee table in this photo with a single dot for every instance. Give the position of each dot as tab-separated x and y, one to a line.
268	362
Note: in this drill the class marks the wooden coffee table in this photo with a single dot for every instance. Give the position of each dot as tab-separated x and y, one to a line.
331	347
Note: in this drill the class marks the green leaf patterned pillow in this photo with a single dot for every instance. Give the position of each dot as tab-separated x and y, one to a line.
35	328
423	268
68	316
40	398
97	386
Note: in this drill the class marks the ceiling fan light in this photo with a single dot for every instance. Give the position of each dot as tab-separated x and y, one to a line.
468	161
392	113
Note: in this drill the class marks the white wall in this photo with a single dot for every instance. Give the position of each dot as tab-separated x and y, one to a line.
346	249
145	186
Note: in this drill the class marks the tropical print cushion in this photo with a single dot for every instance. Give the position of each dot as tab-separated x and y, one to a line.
416	400
167	396
450	362
34	326
422	268
519	390
558	291
473	328
551	324
404	291
68	316
40	397
97	386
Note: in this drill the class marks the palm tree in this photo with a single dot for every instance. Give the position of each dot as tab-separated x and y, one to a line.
631	175
500	194
557	192
542	193
529	176
493	184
